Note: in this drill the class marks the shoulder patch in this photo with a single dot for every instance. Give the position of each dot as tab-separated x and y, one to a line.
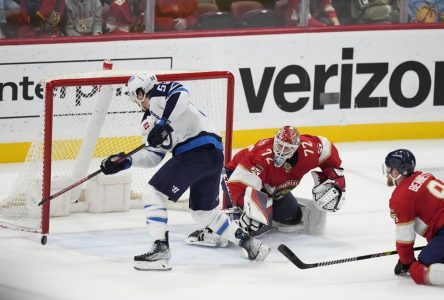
393	216
256	170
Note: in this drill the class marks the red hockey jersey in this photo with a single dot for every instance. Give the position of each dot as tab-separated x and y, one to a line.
417	207
254	166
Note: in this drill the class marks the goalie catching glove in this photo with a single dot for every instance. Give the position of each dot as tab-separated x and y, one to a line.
159	133
116	163
329	190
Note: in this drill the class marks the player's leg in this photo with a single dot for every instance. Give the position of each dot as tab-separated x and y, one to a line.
298	215
169	183
287	211
204	201
204	193
158	257
429	268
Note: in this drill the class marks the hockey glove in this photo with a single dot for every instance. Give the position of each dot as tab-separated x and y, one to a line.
115	163
249	225
401	269
329	190
159	133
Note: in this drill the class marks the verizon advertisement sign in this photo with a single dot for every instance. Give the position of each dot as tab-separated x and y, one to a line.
307	79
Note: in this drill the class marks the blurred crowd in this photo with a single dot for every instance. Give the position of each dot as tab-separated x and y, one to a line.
44	18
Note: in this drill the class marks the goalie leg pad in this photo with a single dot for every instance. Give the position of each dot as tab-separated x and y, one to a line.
256	204
313	219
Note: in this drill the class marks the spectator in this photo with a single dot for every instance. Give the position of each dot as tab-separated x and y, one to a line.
376	11
40	18
83	17
426	11
175	15
322	12
125	16
7	7
343	10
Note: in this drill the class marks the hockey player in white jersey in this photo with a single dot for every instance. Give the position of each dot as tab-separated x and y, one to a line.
173	124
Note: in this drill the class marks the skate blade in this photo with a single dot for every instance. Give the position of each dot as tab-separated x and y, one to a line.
263	253
157	265
218	244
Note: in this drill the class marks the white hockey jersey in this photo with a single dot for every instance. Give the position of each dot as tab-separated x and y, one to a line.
192	128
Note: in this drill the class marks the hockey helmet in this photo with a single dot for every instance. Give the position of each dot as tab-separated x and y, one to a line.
286	142
139	85
401	160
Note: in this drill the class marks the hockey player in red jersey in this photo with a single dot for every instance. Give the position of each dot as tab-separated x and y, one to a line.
275	166
417	207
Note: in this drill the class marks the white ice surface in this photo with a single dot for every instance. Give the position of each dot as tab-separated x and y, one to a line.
89	256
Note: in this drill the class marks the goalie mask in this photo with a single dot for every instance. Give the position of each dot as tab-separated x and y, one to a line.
401	160
286	142
139	85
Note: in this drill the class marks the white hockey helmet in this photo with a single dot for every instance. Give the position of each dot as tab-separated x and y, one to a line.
139	85
286	142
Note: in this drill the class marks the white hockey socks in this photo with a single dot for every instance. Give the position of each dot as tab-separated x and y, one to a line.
156	213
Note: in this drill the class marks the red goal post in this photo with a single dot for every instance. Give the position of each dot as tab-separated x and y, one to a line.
74	137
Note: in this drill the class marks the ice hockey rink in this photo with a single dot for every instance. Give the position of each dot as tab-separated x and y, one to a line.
89	256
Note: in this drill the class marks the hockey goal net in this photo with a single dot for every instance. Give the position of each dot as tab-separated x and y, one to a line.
87	117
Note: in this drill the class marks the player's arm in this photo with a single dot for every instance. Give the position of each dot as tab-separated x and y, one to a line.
405	235
329	189
404	218
147	158
240	179
176	101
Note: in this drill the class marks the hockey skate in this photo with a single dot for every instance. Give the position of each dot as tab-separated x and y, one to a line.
206	237
253	249
158	258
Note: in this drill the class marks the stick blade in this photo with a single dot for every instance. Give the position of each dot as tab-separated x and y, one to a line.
292	257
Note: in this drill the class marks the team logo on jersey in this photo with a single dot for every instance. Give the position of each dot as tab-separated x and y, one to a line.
285	188
393	216
146	125
256	170
320	147
287	166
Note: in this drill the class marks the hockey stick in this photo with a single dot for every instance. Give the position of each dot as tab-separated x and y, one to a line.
301	265
77	183
225	188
